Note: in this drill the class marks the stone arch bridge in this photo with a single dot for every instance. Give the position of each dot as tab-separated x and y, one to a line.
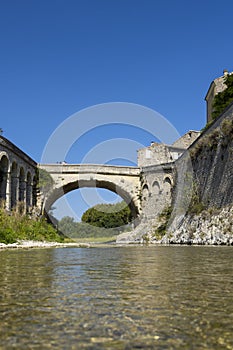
145	189
123	180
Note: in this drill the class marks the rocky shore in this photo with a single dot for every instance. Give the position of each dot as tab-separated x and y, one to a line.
210	227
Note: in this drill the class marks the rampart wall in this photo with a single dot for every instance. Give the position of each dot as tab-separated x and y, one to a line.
212	162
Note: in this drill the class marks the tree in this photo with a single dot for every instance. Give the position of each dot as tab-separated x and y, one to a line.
224	98
45	184
108	215
67	225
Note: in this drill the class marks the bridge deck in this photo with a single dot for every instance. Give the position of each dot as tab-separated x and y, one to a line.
90	168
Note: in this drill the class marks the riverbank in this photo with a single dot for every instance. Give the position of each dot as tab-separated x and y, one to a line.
210	227
24	244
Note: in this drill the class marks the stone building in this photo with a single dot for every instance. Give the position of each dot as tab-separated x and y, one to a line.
157	163
159	153
216	86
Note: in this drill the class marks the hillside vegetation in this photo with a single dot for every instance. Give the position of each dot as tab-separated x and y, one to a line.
102	220
15	227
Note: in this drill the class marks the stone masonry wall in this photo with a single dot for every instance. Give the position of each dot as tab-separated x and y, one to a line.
209	219
207	168
212	162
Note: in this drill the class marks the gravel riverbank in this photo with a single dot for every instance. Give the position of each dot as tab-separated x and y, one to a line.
39	244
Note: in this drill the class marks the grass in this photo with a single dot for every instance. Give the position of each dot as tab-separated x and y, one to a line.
14	227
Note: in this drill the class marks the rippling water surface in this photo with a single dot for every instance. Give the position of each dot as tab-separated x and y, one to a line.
117	298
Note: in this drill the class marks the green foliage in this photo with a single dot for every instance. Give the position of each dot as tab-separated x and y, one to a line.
207	125
164	218
227	128
207	142
108	215
17	227
73	229
45	182
196	206
224	98
103	220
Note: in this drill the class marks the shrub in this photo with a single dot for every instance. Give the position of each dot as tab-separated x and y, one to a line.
15	227
227	127
196	206
164	218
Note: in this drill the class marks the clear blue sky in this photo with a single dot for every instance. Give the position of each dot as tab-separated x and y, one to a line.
58	57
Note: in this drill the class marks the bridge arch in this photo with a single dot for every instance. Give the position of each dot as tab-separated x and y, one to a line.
91	183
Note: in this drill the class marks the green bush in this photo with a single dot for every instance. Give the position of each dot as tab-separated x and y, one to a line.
227	127
164	218
108	215
196	206
224	98
15	227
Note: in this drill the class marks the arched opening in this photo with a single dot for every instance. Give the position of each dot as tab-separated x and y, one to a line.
145	193
156	188
21	185
60	192
91	213
167	184
4	164
14	184
28	191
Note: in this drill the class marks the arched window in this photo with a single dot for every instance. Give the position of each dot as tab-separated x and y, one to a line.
145	193
167	184
156	188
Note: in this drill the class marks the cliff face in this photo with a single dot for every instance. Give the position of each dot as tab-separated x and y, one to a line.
209	218
212	162
203	213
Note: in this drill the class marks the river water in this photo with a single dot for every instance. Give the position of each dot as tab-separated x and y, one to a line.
117	298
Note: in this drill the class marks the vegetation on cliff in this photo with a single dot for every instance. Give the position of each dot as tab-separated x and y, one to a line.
224	98
15	227
210	141
161	228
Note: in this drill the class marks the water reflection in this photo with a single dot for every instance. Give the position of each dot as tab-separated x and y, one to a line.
117	298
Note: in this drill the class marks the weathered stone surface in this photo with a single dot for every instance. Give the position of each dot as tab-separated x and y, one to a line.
122	180
209	164
205	228
18	178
